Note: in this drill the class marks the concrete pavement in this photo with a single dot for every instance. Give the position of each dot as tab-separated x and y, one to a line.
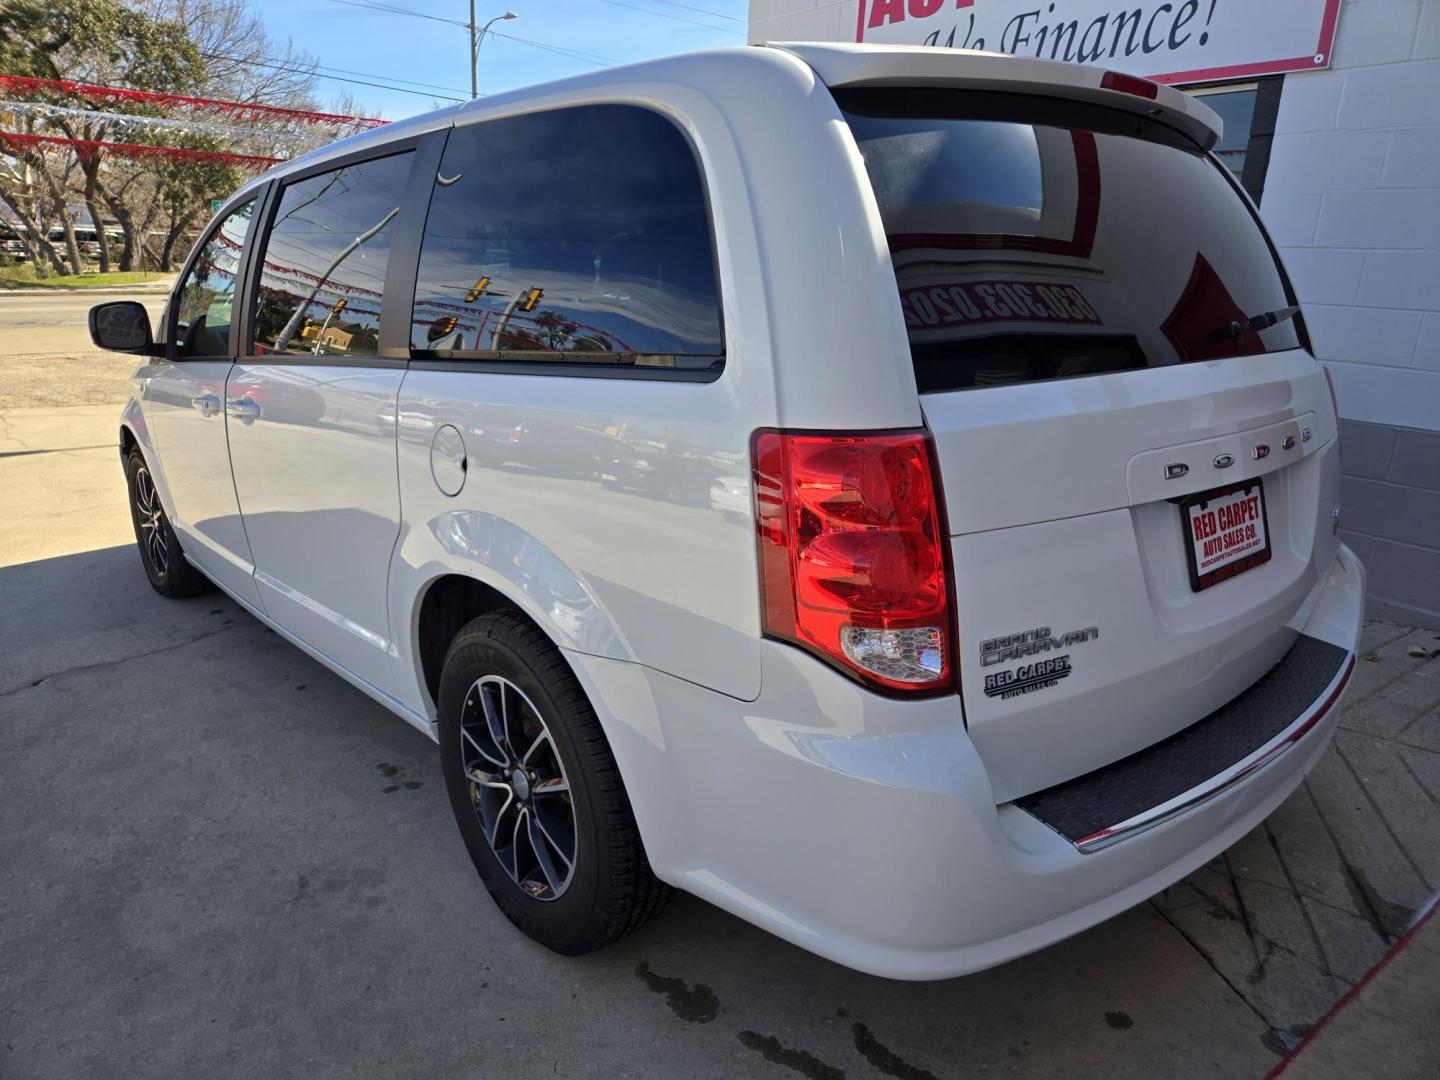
218	859
1388	1017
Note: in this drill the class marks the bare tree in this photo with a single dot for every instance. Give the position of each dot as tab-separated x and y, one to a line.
201	48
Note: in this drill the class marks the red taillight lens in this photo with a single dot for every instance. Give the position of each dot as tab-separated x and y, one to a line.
1129	84
852	554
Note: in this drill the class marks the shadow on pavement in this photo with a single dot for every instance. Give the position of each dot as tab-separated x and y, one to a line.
220	859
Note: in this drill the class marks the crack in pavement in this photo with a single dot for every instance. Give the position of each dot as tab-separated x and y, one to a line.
1269	1027
100	664
1314	930
1358	895
1262	945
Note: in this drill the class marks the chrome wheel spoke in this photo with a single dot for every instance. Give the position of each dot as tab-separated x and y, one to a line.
517	834
542	739
489	692
512	719
556	786
484	753
567	856
484	779
540	844
493	832
150	520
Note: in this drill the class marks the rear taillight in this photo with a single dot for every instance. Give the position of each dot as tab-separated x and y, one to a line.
852	554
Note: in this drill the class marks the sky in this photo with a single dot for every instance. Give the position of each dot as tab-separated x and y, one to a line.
353	40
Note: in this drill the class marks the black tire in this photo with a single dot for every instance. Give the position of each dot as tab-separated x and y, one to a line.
170	573
610	890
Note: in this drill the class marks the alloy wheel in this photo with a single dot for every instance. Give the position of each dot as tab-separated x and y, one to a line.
518	787
151	519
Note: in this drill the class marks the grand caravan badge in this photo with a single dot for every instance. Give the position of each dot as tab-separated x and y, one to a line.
1031	642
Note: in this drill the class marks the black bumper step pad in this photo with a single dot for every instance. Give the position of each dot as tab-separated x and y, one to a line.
1116	792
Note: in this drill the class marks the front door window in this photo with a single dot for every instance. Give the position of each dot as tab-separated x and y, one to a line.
205	300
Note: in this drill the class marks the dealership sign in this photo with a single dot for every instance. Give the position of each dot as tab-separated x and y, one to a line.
1172	41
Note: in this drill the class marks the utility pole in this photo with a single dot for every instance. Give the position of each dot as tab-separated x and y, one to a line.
476	37
474	57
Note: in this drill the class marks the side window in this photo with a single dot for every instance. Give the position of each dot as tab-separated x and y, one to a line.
576	235
203	303
323	269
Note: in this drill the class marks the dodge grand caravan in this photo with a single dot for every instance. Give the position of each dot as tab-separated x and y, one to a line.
886	492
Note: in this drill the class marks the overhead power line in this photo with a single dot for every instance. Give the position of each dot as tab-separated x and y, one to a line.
562	50
576	54
298	70
667	15
326	71
702	11
391	9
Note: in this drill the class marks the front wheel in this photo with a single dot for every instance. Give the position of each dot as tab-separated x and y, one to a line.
536	791
165	565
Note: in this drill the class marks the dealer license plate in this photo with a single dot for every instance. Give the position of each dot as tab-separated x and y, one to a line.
1226	532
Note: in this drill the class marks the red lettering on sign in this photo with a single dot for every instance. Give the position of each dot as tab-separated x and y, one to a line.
886	11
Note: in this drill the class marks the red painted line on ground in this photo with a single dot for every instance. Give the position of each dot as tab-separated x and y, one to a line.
1401	944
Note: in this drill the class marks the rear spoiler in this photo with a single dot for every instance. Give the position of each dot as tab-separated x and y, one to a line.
848	65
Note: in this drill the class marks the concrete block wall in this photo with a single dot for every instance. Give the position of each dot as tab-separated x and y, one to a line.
1352	195
1390	506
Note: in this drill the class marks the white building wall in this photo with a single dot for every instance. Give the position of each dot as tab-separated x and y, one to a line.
1352	196
803	20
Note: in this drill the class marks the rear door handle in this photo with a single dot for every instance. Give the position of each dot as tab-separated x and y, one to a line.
208	404
243	409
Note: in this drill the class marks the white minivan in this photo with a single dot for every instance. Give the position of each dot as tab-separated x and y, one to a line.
887	492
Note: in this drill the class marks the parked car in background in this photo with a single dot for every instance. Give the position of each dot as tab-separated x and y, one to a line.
12	244
887	492
87	240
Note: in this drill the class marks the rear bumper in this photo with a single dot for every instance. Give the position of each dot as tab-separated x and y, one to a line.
865	829
1250	733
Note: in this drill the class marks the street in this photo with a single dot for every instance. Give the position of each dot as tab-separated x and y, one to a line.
218	859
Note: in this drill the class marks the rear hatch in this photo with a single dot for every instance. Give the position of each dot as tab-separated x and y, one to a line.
1138	484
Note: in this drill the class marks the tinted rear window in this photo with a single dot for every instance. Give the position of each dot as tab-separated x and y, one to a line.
1035	239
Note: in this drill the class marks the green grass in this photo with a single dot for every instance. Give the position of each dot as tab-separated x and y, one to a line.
24	275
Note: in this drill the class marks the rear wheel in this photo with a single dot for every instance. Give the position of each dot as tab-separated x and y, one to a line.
165	564
536	791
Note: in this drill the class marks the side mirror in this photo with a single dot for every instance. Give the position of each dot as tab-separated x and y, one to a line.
122	325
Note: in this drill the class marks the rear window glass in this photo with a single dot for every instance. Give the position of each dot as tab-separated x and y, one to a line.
1035	239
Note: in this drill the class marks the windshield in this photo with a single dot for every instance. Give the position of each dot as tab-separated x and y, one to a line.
1041	239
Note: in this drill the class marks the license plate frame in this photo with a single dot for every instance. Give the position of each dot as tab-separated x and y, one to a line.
1233	563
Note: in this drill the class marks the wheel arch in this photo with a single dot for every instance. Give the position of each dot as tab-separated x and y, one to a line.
442	609
128	442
